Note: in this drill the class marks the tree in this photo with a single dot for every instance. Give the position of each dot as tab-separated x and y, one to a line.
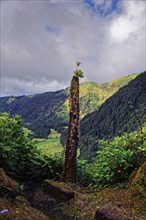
70	164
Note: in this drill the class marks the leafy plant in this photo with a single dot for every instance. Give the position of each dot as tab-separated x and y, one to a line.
15	147
116	160
19	155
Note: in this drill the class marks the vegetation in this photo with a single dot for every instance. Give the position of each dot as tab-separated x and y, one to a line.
93	95
53	107
41	119
15	148
114	117
22	158
19	155
114	163
115	160
50	145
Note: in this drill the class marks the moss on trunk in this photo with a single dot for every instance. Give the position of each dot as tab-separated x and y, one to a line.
70	165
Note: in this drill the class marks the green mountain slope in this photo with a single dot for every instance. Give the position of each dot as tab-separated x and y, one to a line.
41	112
92	95
38	111
114	116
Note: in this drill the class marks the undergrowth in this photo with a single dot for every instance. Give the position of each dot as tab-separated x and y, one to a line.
114	163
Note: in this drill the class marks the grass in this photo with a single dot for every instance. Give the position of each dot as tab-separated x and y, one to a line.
37	140
51	145
54	134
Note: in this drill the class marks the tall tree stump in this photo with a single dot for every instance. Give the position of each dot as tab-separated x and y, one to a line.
70	165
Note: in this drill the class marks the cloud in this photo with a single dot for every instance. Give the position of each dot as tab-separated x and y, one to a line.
42	40
132	22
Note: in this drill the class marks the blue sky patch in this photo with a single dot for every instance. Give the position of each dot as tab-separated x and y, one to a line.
103	9
52	29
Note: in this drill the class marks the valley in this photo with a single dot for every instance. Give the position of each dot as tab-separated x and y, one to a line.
111	168
50	145
52	109
73	110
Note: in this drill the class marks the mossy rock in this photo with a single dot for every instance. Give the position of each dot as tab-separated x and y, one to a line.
58	190
112	212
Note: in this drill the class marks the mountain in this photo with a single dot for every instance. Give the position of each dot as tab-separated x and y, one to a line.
125	111
41	112
37	111
93	94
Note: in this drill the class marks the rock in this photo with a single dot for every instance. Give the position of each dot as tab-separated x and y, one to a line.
60	191
105	214
111	212
7	184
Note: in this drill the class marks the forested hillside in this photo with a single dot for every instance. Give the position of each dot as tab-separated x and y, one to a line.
37	111
50	110
125	111
93	95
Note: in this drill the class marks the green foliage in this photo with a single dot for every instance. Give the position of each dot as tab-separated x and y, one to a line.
50	146
93	95
84	173
39	119
114	115
78	63
45	166
15	148
19	155
79	73
52	107
115	160
63	137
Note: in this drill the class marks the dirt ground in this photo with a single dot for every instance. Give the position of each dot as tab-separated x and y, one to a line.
37	205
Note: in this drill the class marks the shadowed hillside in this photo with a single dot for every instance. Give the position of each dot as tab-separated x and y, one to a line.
123	112
41	112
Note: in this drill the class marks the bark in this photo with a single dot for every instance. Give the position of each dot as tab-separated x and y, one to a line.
70	165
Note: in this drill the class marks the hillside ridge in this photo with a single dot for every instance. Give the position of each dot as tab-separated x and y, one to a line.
47	110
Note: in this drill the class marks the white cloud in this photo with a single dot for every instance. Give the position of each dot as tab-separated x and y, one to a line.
44	39
131	22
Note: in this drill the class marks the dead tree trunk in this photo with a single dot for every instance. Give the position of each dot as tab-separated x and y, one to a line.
70	164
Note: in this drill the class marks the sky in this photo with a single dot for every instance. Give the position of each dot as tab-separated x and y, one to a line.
41	40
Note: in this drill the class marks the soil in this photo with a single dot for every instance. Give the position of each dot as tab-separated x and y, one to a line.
35	204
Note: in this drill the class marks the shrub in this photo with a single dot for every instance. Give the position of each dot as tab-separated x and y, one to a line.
83	172
15	148
43	167
116	160
19	156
